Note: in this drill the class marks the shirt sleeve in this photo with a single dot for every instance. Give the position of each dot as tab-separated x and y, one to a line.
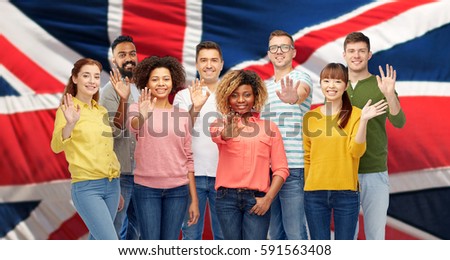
181	100
57	144
188	147
399	120
109	98
306	145
278	161
133	111
356	150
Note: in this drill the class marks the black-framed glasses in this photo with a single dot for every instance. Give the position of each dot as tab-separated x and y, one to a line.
283	47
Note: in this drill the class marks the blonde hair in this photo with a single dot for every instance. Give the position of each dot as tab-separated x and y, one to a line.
232	80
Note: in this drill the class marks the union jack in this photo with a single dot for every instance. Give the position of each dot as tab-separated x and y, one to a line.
40	41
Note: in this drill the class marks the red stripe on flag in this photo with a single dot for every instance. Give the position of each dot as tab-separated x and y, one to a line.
422	143
30	73
157	27
25	149
310	42
73	228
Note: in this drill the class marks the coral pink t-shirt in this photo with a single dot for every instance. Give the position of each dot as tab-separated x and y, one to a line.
244	161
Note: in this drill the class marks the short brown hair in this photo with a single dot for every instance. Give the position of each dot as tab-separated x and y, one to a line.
356	37
208	45
278	33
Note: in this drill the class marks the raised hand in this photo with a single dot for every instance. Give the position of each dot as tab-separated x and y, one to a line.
71	113
197	97
387	83
146	104
288	93
231	126
122	89
371	111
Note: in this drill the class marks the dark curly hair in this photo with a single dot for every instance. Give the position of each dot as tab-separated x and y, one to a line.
143	70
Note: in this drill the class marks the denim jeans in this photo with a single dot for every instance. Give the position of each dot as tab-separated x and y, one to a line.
206	194
96	202
233	211
288	219
160	212
319	207
374	203
125	223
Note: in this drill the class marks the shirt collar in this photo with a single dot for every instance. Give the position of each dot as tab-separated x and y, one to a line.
254	117
82	104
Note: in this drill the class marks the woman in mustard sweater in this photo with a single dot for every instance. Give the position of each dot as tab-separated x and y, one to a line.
334	139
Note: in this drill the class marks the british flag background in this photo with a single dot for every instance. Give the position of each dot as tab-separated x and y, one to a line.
40	41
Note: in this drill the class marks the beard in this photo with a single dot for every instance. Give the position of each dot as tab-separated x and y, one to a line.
127	73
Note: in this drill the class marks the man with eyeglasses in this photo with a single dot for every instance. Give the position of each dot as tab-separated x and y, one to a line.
290	96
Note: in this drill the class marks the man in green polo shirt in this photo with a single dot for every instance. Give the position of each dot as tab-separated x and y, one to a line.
373	172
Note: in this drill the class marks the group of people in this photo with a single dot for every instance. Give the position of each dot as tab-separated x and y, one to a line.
267	165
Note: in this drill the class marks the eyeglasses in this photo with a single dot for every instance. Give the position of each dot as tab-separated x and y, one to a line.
284	48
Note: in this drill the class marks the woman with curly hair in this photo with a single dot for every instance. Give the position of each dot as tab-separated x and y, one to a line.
164	173
248	147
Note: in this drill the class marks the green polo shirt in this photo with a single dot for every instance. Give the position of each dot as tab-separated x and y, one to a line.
375	157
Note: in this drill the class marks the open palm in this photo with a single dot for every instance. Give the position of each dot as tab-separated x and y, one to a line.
386	83
122	88
146	104
71	113
288	93
197	97
371	111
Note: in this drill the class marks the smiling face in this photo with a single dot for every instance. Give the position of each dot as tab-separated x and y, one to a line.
209	65
160	83
242	99
333	81
357	56
333	89
125	58
87	81
281	60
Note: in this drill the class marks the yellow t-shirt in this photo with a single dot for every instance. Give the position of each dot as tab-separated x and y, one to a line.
331	154
89	149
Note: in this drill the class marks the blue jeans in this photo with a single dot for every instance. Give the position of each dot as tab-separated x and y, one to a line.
343	204
288	219
206	193
374	203
233	211
125	223
96	202
160	212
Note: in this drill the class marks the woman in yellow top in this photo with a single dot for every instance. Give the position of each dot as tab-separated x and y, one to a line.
334	139
83	132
